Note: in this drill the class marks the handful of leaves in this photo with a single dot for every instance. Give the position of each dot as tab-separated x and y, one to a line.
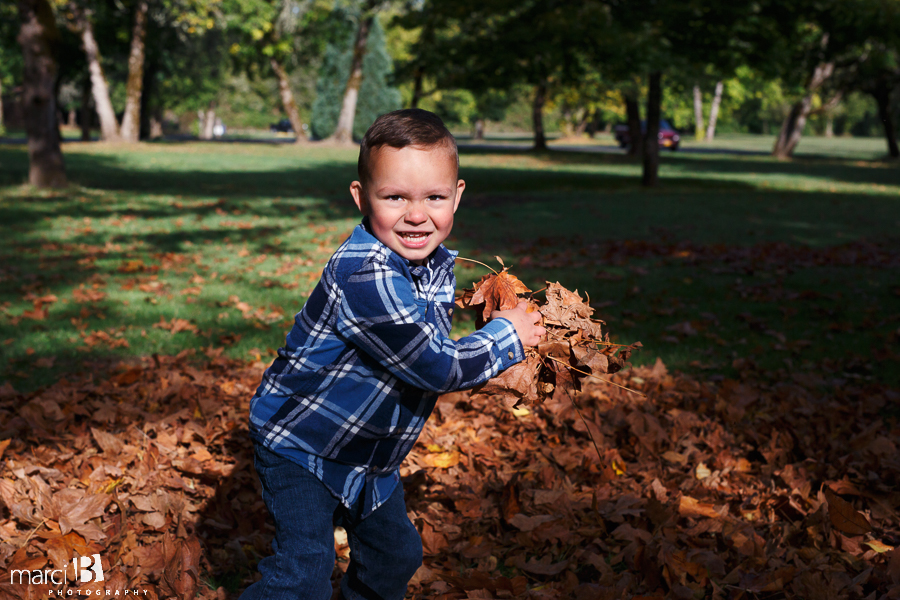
575	346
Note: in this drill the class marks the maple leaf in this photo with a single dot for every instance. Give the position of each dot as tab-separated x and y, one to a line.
498	292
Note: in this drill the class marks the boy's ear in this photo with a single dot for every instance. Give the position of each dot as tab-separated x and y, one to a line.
460	186
359	197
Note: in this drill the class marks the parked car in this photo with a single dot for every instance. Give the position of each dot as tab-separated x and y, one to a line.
668	136
282	126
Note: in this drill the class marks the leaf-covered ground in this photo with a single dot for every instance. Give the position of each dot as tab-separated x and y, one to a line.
139	307
703	490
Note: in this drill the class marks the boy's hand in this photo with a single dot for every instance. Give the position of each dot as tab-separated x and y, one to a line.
529	331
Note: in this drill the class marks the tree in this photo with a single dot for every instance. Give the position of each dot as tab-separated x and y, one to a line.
277	36
38	36
375	95
343	133
131	120
657	37
714	111
82	22
483	45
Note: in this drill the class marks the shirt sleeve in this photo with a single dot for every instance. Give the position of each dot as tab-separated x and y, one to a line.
378	313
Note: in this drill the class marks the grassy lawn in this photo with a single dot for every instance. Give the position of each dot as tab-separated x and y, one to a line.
171	247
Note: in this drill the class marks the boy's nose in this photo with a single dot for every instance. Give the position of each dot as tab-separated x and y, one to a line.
416	213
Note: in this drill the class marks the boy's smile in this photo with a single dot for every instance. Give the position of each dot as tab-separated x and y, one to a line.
410	198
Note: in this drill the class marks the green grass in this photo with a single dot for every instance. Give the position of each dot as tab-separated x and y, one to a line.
735	256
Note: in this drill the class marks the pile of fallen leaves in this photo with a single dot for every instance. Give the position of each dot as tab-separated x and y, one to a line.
575	347
149	466
757	487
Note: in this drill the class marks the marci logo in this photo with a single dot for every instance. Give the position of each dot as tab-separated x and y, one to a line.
89	571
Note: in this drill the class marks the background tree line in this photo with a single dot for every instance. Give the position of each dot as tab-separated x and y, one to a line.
136	69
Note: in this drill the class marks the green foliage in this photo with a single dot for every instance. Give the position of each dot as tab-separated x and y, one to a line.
376	95
330	88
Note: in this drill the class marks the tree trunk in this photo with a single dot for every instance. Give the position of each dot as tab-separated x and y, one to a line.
39	38
478	130
131	120
582	124
1	107
537	115
207	122
829	126
792	128
417	88
651	140
633	114
882	95
698	114
714	112
109	128
87	113
343	134
287	99
149	109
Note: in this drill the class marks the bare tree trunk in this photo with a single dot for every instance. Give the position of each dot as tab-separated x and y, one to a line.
287	99
39	37
537	115
581	125
792	128
633	115
651	140
109	128
343	134
829	126
87	111
478	131
714	112
207	122
882	95
131	120
698	113
156	128
417	88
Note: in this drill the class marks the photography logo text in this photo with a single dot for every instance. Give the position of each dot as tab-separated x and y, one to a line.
87	569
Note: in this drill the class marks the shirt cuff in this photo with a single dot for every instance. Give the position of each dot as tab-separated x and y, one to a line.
509	346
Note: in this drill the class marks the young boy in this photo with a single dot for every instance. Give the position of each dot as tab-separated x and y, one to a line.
348	395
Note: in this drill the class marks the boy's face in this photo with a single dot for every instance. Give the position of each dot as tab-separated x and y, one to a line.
410	198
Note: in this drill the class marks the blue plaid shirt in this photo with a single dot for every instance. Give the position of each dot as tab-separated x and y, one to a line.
364	363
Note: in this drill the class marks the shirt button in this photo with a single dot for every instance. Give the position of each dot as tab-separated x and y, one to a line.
449	311
511	356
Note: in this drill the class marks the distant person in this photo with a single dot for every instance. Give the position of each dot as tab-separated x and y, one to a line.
344	402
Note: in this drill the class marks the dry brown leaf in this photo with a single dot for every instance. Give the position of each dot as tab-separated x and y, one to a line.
181	576
843	516
498	292
691	507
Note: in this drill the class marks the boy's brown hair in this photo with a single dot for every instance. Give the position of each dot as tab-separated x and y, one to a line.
402	128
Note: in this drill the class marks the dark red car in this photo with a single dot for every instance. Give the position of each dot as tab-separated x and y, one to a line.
668	137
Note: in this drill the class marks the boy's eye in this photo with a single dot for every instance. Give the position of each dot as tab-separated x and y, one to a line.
395	198
435	197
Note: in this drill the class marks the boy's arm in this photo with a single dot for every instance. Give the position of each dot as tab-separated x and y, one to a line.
378	314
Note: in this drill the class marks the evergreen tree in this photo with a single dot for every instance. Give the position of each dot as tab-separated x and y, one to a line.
330	88
376	96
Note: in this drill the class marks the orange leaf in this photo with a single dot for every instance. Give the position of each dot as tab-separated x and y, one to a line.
498	292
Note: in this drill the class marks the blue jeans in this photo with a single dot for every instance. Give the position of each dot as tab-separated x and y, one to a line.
385	548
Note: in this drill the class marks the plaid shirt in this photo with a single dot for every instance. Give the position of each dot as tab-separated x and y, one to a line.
364	363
